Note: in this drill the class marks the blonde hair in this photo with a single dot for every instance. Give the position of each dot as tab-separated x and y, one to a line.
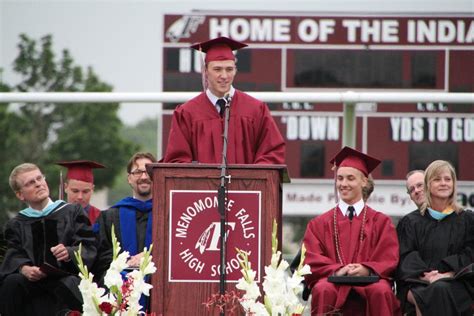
368	189
20	169
434	170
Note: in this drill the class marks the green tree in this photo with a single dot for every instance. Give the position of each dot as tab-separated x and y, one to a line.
8	121
8	153
145	136
44	133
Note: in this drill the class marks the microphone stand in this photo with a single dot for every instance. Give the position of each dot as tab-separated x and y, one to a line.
221	195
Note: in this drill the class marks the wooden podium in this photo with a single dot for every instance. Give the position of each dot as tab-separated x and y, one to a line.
185	225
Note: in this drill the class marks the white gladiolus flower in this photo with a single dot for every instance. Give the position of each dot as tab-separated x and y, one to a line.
280	290
120	262
113	278
259	310
283	265
150	268
124	294
87	286
251	274
305	270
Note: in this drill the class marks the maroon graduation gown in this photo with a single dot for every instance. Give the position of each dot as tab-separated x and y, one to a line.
378	251
93	213
196	133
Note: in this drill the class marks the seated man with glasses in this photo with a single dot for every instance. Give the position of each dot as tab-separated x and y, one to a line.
38	275
131	218
415	186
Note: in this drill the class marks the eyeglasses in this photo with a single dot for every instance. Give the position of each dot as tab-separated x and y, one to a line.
32	182
414	187
137	173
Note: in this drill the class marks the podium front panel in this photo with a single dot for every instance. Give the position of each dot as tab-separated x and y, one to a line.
194	236
186	226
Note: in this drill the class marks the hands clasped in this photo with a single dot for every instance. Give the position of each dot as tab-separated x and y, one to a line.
353	269
134	261
434	275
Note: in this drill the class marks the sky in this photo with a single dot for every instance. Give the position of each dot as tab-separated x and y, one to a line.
122	40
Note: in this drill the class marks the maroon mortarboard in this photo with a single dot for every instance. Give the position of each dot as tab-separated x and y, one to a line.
219	48
349	157
80	169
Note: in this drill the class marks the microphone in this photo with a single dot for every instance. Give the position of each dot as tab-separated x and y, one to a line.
221	197
227	99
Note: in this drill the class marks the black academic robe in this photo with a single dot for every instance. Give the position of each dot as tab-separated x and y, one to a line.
105	221
428	244
67	225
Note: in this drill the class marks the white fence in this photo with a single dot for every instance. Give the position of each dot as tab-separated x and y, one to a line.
328	97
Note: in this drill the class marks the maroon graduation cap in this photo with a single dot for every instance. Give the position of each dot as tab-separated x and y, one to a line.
349	157
219	48
80	169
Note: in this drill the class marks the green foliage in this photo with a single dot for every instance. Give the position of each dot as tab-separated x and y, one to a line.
44	133
8	153
145	136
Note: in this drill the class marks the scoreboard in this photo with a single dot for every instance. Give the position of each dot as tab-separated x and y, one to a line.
430	53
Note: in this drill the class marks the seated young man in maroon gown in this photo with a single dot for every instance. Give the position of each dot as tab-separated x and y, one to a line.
354	240
198	125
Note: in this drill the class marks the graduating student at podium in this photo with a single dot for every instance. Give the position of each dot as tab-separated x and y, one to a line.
39	275
79	185
355	241
197	126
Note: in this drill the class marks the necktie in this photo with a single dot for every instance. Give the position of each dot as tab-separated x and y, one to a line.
351	211
221	104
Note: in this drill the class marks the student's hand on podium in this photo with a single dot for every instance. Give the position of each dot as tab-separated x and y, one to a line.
32	273
60	252
134	261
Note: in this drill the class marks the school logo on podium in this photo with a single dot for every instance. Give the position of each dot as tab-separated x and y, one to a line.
210	238
195	227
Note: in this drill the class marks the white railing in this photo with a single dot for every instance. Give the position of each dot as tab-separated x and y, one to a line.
349	98
329	97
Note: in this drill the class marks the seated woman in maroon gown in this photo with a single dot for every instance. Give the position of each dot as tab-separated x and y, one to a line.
436	243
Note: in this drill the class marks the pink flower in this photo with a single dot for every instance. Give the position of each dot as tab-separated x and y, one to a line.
127	289
228	302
